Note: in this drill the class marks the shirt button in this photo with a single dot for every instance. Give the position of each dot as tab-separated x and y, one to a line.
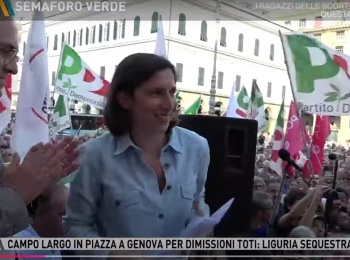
161	216
166	166
169	187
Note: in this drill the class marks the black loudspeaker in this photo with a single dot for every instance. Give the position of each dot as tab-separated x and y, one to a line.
232	145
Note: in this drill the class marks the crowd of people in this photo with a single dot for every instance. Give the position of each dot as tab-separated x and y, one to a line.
146	177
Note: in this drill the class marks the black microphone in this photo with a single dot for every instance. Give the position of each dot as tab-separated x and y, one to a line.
333	156
285	156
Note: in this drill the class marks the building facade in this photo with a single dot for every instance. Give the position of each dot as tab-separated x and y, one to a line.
249	48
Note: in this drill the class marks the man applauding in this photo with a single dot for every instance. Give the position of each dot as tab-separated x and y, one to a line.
42	167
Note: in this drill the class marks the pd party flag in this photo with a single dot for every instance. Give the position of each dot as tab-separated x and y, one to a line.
76	80
320	75
237	107
31	125
5	103
193	109
60	118
257	110
278	142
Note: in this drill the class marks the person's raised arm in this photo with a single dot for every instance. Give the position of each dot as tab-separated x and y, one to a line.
308	216
298	209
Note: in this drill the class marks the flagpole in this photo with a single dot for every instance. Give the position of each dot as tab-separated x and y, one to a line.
213	78
298	112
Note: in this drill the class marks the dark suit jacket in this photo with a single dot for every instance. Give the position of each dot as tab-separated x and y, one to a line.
13	211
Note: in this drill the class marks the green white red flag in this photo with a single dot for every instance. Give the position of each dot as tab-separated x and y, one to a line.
60	118
256	109
76	80
278	142
320	75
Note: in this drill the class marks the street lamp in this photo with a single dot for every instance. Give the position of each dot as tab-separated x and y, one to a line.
213	78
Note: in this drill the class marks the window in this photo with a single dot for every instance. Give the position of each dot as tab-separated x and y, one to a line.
283	92
220	80
223	37
201	72
80	37
240	42
137	26
256	48
238	83
92	34
87	35
55	42
182	25
53	78
24	48
47	42
269	89
63	38
155	19
204	30
122	23
106	29
100	32
102	71
333	136
115	30
339	48
340	35
287	23
272	52
302	23
318	21
317	36
74	38
179	68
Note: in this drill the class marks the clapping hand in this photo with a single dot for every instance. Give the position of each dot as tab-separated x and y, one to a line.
42	167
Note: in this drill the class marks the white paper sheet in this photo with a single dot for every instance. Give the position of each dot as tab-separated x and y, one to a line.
201	226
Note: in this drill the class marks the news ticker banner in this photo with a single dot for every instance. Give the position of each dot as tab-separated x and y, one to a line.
89	10
160	244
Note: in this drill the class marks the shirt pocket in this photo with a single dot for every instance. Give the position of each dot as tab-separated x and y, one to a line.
129	202
187	193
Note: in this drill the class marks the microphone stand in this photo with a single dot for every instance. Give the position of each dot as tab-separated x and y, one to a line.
335	172
330	197
279	196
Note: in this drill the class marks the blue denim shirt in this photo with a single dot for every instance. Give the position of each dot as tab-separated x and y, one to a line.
30	233
115	194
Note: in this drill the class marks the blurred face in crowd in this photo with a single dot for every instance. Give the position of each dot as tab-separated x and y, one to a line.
7	155
343	221
152	105
293	184
265	212
49	218
300	180
8	50
318	227
273	189
259	184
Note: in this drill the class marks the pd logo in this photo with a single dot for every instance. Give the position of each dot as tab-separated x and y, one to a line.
6	8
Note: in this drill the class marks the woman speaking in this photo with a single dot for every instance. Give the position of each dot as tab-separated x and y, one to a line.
146	177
